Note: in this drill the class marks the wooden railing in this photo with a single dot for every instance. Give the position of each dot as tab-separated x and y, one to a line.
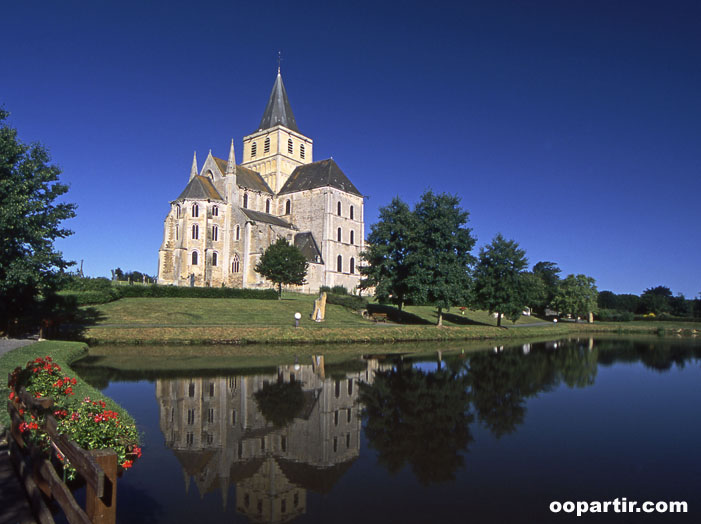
97	467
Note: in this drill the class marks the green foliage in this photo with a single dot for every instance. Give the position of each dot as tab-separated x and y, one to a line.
656	300
499	282
353	302
30	221
336	290
439	257
155	291
283	263
614	315
549	275
386	254
576	296
281	402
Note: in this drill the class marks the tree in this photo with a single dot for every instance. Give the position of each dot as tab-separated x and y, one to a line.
576	295
30	221
549	274
656	300
439	257
386	254
499	282
283	263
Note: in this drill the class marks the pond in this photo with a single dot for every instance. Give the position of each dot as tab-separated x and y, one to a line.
482	436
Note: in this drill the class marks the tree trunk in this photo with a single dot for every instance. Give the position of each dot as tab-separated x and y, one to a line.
499	319
279	290
440	317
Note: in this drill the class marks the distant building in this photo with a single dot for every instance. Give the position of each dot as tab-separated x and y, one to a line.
228	214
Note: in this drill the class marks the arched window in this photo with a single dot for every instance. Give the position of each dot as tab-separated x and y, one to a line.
235	264
238	232
215	233
339	264
177	211
214	259
253	149
194	258
267	206
301	150
195	231
352	238
195	210
290	146
245	200
177	232
351	213
215	211
352	265
339	236
266	145
338	209
288	207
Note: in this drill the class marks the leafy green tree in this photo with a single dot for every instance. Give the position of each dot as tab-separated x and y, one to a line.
576	295
679	306
281	402
656	300
386	254
549	274
440	258
499	284
30	220
607	300
697	306
283	263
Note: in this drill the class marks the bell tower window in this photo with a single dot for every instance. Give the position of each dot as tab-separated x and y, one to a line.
195	231
339	264
340	235
352	238
266	145
301	150
245	200
288	207
338	209
351	212
195	211
290	146
254	147
267	206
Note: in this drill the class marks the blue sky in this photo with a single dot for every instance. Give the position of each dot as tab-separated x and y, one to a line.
571	127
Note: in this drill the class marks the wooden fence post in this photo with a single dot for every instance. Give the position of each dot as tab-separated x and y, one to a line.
103	510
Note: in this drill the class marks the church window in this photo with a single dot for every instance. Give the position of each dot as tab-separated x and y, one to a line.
235	265
288	207
290	146
245	200
215	233
195	210
253	149
210	415
177	211
195	231
335	418
350	380
190	438
267	206
190	416
339	264
214	259
338	209
301	150
238	232
339	235
335	444
351	212
352	237
337	385
177	232
194	258
233	417
211	389
266	145
352	265
191	390
215	211
283	443
348	441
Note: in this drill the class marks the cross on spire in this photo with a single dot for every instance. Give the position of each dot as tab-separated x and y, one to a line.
279	59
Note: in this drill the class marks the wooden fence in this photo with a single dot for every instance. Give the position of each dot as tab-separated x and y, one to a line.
97	467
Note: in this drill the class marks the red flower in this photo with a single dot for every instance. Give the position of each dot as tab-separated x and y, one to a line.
137	451
127	464
12	395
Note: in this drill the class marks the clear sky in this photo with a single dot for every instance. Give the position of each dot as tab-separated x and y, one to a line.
572	127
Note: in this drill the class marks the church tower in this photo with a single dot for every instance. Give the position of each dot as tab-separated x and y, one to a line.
277	147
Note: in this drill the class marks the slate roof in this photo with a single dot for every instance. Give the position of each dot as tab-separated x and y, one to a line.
200	188
245	177
307	245
278	111
324	173
258	216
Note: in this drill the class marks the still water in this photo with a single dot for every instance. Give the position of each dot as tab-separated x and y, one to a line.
485	436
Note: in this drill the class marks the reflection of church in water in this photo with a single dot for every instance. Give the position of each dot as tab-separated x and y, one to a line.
218	433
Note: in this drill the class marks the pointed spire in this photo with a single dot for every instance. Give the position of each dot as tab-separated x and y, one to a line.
193	170
278	111
231	163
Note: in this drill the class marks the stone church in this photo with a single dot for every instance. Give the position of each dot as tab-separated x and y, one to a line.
229	213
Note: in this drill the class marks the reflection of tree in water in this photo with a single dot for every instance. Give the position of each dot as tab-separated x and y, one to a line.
280	402
418	418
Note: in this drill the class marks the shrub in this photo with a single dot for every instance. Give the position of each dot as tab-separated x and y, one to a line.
353	302
336	290
195	292
614	315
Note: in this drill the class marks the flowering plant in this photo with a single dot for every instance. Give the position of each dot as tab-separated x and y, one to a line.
92	426
89	423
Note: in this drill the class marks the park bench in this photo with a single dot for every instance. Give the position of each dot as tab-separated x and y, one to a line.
379	317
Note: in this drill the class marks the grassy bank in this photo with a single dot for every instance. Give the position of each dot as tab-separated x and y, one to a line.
64	354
